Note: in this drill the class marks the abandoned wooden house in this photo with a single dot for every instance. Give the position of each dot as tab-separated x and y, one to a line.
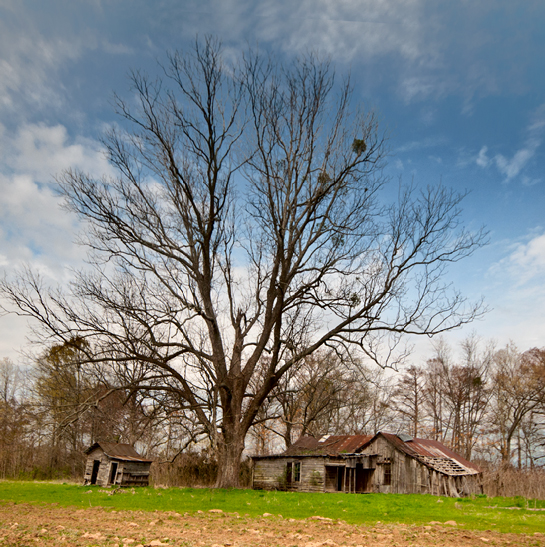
384	462
116	464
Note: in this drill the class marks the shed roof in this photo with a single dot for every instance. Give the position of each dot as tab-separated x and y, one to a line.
118	451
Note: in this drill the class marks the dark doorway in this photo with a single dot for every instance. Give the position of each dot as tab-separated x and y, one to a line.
340	478
330	478
289	467
94	473
113	473
363	479
334	478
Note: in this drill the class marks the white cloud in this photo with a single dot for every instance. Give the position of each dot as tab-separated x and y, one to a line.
28	65
43	151
355	28
482	159
510	168
527	181
420	87
34	54
524	265
33	228
527	261
513	166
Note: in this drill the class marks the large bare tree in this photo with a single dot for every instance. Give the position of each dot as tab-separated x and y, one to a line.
249	220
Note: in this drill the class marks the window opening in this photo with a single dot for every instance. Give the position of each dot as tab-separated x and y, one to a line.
387	474
296	471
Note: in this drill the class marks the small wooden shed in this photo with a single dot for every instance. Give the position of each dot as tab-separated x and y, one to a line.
384	462
117	464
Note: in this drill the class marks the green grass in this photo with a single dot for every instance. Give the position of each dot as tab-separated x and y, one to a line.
479	513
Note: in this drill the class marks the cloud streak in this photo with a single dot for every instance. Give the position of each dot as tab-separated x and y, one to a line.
511	167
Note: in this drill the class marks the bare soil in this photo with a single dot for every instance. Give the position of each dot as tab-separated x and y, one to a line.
31	525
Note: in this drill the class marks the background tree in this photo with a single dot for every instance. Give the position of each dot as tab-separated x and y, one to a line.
365	407
14	419
409	400
518	390
308	397
464	393
198	275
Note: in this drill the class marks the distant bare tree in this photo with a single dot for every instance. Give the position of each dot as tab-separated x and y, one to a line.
408	398
246	221
13	419
457	393
365	402
518	390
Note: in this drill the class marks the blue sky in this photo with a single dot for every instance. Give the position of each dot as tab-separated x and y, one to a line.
459	86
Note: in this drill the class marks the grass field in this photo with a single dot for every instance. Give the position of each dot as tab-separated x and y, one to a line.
515	515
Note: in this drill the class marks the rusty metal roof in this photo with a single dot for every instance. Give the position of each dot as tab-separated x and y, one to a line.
118	451
327	445
433	454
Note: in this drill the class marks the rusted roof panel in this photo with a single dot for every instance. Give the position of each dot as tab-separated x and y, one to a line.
328	444
429	451
118	451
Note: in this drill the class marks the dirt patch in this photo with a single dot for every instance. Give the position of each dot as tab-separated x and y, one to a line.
24	525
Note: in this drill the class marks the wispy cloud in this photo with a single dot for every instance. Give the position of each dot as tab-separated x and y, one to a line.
35	56
524	263
28	66
527	261
511	167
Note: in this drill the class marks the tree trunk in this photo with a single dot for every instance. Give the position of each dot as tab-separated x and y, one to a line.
506	451
229	459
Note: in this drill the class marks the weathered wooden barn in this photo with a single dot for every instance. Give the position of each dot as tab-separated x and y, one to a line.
117	464
384	462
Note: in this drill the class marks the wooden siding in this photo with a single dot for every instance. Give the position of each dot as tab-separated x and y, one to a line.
410	476
103	470
363	474
128	473
271	474
135	474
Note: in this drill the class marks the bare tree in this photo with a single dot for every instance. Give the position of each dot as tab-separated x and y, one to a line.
408	399
365	402
307	398
246	220
13	418
518	390
456	394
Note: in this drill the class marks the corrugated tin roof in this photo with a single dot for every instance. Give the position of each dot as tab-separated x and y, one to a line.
118	451
435	455
431	453
329	444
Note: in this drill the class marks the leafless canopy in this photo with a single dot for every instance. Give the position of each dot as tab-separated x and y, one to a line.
249	219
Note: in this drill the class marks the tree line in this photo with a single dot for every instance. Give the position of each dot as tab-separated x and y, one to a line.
485	403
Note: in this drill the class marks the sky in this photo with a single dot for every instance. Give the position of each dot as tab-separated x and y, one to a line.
458	86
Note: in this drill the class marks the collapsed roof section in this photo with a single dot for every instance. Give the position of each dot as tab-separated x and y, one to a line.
435	455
